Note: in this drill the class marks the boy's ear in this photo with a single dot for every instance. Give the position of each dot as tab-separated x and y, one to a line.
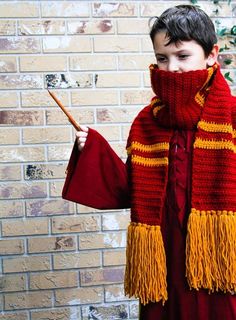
212	58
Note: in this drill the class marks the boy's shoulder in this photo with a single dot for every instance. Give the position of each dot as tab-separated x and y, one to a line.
144	114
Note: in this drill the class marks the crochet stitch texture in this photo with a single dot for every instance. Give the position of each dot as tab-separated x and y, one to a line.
202	100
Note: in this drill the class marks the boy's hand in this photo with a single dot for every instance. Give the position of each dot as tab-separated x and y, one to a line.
81	137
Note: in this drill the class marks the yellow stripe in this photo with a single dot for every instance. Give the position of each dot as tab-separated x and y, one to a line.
214	144
163	146
213	212
155	100
150	162
216	127
200	98
157	109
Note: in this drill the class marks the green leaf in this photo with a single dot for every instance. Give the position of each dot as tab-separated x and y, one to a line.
228	61
216	11
227	77
233	42
222	32
233	31
224	48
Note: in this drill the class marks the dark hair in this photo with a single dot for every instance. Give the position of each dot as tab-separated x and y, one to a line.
184	23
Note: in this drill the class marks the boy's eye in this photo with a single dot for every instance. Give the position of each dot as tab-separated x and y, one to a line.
183	56
161	59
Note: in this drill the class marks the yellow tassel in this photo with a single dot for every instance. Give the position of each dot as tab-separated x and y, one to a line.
145	275
211	250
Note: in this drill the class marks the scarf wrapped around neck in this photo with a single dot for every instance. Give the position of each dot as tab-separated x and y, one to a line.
199	100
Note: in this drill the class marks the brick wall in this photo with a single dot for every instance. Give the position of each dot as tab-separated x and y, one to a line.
60	260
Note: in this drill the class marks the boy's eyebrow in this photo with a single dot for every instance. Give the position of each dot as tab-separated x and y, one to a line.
177	51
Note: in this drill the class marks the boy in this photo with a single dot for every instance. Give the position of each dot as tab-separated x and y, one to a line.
179	178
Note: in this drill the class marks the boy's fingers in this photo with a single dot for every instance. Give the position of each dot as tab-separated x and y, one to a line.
83	129
80	146
82	139
81	134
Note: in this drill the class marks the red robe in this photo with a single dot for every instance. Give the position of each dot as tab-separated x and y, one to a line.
98	178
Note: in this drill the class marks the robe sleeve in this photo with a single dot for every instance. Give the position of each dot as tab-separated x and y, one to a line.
96	177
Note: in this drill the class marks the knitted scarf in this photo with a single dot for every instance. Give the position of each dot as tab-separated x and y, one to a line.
197	99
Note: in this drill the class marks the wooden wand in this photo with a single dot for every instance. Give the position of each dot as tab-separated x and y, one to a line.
69	116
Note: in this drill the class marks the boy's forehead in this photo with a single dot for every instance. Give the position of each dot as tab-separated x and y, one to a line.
163	38
161	42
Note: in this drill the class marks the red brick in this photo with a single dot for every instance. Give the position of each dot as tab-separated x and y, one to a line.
101	276
21	118
49	207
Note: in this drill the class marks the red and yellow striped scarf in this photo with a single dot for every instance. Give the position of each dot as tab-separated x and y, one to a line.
198	99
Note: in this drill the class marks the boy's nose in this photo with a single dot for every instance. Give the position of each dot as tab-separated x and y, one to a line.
173	66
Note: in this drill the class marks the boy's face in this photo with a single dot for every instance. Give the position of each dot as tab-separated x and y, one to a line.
183	56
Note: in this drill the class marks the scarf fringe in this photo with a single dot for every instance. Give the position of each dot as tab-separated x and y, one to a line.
145	276
211	250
